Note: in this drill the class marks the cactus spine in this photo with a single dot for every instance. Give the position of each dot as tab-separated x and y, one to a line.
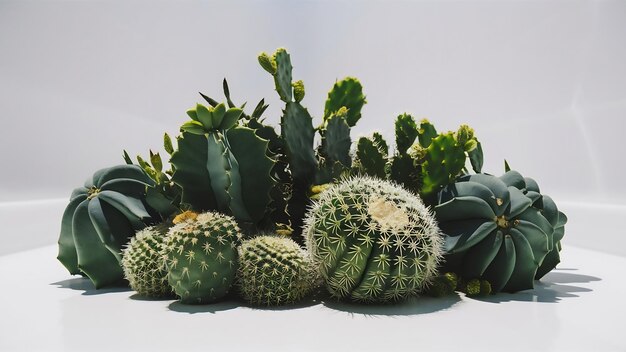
201	257
274	271
143	263
372	241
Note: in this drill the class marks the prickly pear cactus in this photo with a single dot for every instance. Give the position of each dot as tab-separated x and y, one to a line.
201	256
493	231
143	263
274	270
100	219
372	241
346	93
222	166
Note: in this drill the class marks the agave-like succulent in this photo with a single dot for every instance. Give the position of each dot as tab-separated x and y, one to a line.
496	231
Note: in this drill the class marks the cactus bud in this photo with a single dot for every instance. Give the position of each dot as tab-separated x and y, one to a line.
464	134
298	90
167	144
267	63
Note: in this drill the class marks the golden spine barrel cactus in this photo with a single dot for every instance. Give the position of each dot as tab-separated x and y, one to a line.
372	241
143	263
274	271
201	256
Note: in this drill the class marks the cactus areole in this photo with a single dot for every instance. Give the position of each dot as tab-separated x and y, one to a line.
499	229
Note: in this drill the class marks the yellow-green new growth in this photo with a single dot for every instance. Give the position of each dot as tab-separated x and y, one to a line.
201	257
372	241
274	271
143	264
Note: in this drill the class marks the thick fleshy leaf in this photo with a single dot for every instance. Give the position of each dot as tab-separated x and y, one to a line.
124	171
550	262
462	208
531	185
112	226
94	259
230	118
513	178
535	197
78	192
469	189
519	202
501	268
538	240
497	187
476	158
218	165
193	127
550	211
525	266
67	249
534	216
194	180
461	235
127	186
132	208
205	117
481	255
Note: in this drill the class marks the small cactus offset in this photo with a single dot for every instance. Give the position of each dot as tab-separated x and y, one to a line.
274	270
143	263
201	257
373	241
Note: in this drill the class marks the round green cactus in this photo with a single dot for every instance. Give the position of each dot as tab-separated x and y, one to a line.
100	218
143	263
493	231
274	271
373	241
201	256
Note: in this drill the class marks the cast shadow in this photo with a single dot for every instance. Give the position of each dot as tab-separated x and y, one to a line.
305	303
85	285
212	308
552	288
138	297
411	306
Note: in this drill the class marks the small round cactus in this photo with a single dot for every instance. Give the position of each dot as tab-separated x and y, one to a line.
143	265
373	241
274	271
201	256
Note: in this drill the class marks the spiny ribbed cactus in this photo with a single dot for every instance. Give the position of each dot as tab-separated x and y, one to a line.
372	241
100	218
493	231
143	263
274	270
201	256
222	166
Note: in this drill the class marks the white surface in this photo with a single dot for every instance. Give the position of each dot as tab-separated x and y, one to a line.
543	82
578	307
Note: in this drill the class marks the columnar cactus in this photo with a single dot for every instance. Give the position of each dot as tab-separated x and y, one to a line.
100	218
493	231
143	263
201	257
372	241
274	271
223	166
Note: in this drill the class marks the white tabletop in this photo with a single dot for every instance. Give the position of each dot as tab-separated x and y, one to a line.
579	306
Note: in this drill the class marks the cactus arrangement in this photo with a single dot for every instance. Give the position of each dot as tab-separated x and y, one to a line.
373	241
274	270
280	212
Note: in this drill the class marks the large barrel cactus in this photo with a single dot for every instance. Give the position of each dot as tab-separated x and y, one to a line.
373	241
100	218
223	166
498	229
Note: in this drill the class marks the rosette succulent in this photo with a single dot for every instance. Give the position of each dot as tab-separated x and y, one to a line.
274	271
494	232
201	256
100	218
372	241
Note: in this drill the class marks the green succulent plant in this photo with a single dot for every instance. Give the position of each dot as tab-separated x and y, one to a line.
144	265
100	219
220	165
372	241
493	232
307	165
274	270
201	256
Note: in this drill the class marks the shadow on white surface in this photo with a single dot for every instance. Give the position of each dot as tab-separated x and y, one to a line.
205	308
85	285
413	306
551	289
